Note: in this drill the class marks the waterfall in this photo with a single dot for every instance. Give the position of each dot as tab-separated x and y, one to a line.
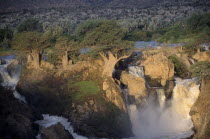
136	71
161	97
159	118
11	80
52	120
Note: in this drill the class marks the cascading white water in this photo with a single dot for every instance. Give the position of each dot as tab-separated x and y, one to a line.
52	120
161	97
136	71
11	81
168	119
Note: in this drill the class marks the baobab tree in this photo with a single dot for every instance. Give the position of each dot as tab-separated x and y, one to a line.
32	43
65	44
107	40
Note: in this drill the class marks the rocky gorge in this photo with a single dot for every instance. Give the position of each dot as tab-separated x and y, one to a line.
146	97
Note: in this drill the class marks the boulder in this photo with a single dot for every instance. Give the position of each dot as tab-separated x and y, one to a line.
200	112
158	67
2	62
169	89
136	85
13	68
202	56
114	93
55	132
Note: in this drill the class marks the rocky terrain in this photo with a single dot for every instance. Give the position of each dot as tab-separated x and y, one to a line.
200	111
96	106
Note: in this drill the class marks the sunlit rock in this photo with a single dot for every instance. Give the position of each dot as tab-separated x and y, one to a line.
158	67
200	111
202	56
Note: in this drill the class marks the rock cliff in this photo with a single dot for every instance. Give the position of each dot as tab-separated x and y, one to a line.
202	56
200	112
158	67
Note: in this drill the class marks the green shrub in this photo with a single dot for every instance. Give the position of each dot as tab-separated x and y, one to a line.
200	68
138	36
194	30
179	67
83	89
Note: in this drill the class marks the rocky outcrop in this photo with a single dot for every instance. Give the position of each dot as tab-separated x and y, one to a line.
55	132
93	115
200	112
16	118
114	93
202	56
41	91
158	67
136	85
13	68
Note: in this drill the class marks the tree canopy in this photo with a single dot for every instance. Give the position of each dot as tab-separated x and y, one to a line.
28	41
108	36
85	27
65	43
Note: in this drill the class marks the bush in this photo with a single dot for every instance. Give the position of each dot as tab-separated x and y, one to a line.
194	29
200	68
179	67
138	36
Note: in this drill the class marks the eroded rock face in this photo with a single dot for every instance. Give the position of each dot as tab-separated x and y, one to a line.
202	56
200	112
97	115
55	132
114	93
136	85
158	67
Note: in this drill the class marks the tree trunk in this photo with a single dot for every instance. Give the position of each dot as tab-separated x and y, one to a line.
109	63
29	58
198	50
181	48
65	60
36	59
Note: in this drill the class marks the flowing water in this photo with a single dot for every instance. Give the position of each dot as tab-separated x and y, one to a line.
162	119
10	81
52	120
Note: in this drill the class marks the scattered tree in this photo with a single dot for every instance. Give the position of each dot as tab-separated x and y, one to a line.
107	40
32	43
6	35
65	44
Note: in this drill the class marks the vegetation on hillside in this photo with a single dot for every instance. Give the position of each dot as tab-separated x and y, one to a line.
194	30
